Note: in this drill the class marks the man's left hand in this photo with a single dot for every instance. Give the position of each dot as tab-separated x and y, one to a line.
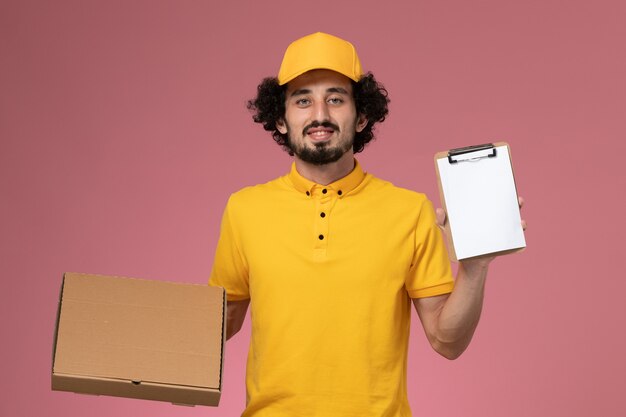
479	262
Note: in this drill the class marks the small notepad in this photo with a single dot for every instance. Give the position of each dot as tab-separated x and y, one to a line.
478	192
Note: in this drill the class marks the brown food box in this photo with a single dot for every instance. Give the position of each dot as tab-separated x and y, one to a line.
140	338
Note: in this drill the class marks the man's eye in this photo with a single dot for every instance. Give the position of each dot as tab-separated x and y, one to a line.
335	100
302	102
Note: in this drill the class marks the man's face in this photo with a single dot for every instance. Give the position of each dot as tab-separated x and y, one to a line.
320	117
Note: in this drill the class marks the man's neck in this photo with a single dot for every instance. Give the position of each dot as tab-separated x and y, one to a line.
328	173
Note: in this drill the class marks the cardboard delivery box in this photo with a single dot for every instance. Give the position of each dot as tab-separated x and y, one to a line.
138	338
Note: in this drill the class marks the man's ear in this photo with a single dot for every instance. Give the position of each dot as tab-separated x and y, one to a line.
281	126
361	122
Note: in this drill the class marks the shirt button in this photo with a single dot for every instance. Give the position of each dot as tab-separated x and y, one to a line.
324	191
339	192
321	237
322	214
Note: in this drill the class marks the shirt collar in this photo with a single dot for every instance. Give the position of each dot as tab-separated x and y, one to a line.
345	184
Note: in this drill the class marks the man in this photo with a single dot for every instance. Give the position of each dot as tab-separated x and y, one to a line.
330	258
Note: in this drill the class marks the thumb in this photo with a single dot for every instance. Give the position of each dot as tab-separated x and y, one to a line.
441	217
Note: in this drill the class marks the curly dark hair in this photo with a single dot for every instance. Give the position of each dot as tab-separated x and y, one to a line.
370	98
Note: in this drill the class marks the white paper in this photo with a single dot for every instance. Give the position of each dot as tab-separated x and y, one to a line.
481	203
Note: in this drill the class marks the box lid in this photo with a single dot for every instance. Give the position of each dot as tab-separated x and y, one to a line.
140	330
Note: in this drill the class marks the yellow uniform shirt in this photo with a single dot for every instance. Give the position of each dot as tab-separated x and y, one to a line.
330	272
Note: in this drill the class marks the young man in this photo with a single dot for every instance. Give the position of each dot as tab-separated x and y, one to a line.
330	258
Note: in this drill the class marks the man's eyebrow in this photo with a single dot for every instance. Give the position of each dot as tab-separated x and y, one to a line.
339	90
300	92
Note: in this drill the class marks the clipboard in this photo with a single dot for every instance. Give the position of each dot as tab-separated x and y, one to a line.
478	192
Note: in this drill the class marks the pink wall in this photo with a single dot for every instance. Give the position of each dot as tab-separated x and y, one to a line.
123	130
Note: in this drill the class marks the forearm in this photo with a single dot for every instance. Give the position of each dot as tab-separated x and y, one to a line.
459	315
235	315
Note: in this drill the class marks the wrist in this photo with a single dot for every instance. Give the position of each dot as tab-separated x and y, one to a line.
475	268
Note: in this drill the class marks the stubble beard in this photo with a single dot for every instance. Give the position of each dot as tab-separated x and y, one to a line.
322	153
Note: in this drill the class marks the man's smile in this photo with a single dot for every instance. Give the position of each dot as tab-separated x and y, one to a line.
320	132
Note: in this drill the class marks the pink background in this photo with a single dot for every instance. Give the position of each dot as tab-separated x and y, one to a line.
123	130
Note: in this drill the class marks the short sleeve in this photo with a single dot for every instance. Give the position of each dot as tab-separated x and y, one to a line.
430	273
230	270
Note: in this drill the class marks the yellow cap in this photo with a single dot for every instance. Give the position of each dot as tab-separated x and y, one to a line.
319	51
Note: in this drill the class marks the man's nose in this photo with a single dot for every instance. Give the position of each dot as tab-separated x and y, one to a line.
321	111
